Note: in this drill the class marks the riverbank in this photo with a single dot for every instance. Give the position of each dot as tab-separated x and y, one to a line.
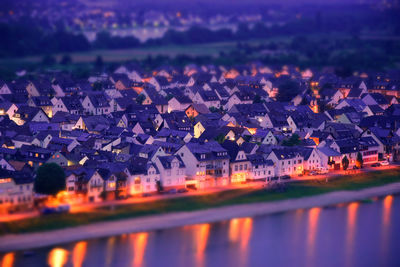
176	219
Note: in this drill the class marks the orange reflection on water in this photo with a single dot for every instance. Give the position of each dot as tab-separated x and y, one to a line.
110	250
234	229
387	206
58	257
201	233
79	253
240	229
351	228
246	232
8	260
351	220
139	244
313	217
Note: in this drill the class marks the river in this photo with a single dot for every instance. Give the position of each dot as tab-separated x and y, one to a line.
354	234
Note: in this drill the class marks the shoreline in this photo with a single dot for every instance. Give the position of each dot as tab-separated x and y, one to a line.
12	242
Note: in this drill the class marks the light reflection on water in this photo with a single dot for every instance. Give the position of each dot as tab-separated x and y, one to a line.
139	242
341	236
79	253
386	215
8	260
58	257
351	229
313	217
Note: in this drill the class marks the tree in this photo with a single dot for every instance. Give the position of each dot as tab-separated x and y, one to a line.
220	138
140	99
294	140
99	62
345	163
359	160
97	86
50	179
48	60
159	186
257	99
66	59
288	90
214	110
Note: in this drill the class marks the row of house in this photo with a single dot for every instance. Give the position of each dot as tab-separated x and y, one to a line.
129	132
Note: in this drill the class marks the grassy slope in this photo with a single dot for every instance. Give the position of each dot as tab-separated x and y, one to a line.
238	196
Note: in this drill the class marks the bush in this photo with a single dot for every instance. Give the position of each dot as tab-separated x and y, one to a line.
50	179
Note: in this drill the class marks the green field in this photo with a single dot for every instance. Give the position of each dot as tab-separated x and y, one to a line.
230	197
119	55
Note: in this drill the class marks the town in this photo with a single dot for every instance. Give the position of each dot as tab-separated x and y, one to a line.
132	133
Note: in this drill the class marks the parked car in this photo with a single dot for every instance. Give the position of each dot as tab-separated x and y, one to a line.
172	191
146	195
285	177
55	209
355	167
323	171
183	190
312	173
384	163
376	164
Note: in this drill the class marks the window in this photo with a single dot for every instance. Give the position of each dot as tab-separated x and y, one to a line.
236	168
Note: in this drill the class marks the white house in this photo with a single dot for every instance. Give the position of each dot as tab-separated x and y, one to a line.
287	161
172	171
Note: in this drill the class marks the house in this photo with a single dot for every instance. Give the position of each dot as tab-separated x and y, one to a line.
350	147
40	88
42	102
8	109
312	159
69	104
239	165
26	114
59	159
195	109
152	97
387	140
207	164
180	103
287	161
16	191
91	184
142	176
96	104
261	169
330	158
133	72
375	99
172	171
208	98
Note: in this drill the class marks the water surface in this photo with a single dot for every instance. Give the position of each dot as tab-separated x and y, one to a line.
354	234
